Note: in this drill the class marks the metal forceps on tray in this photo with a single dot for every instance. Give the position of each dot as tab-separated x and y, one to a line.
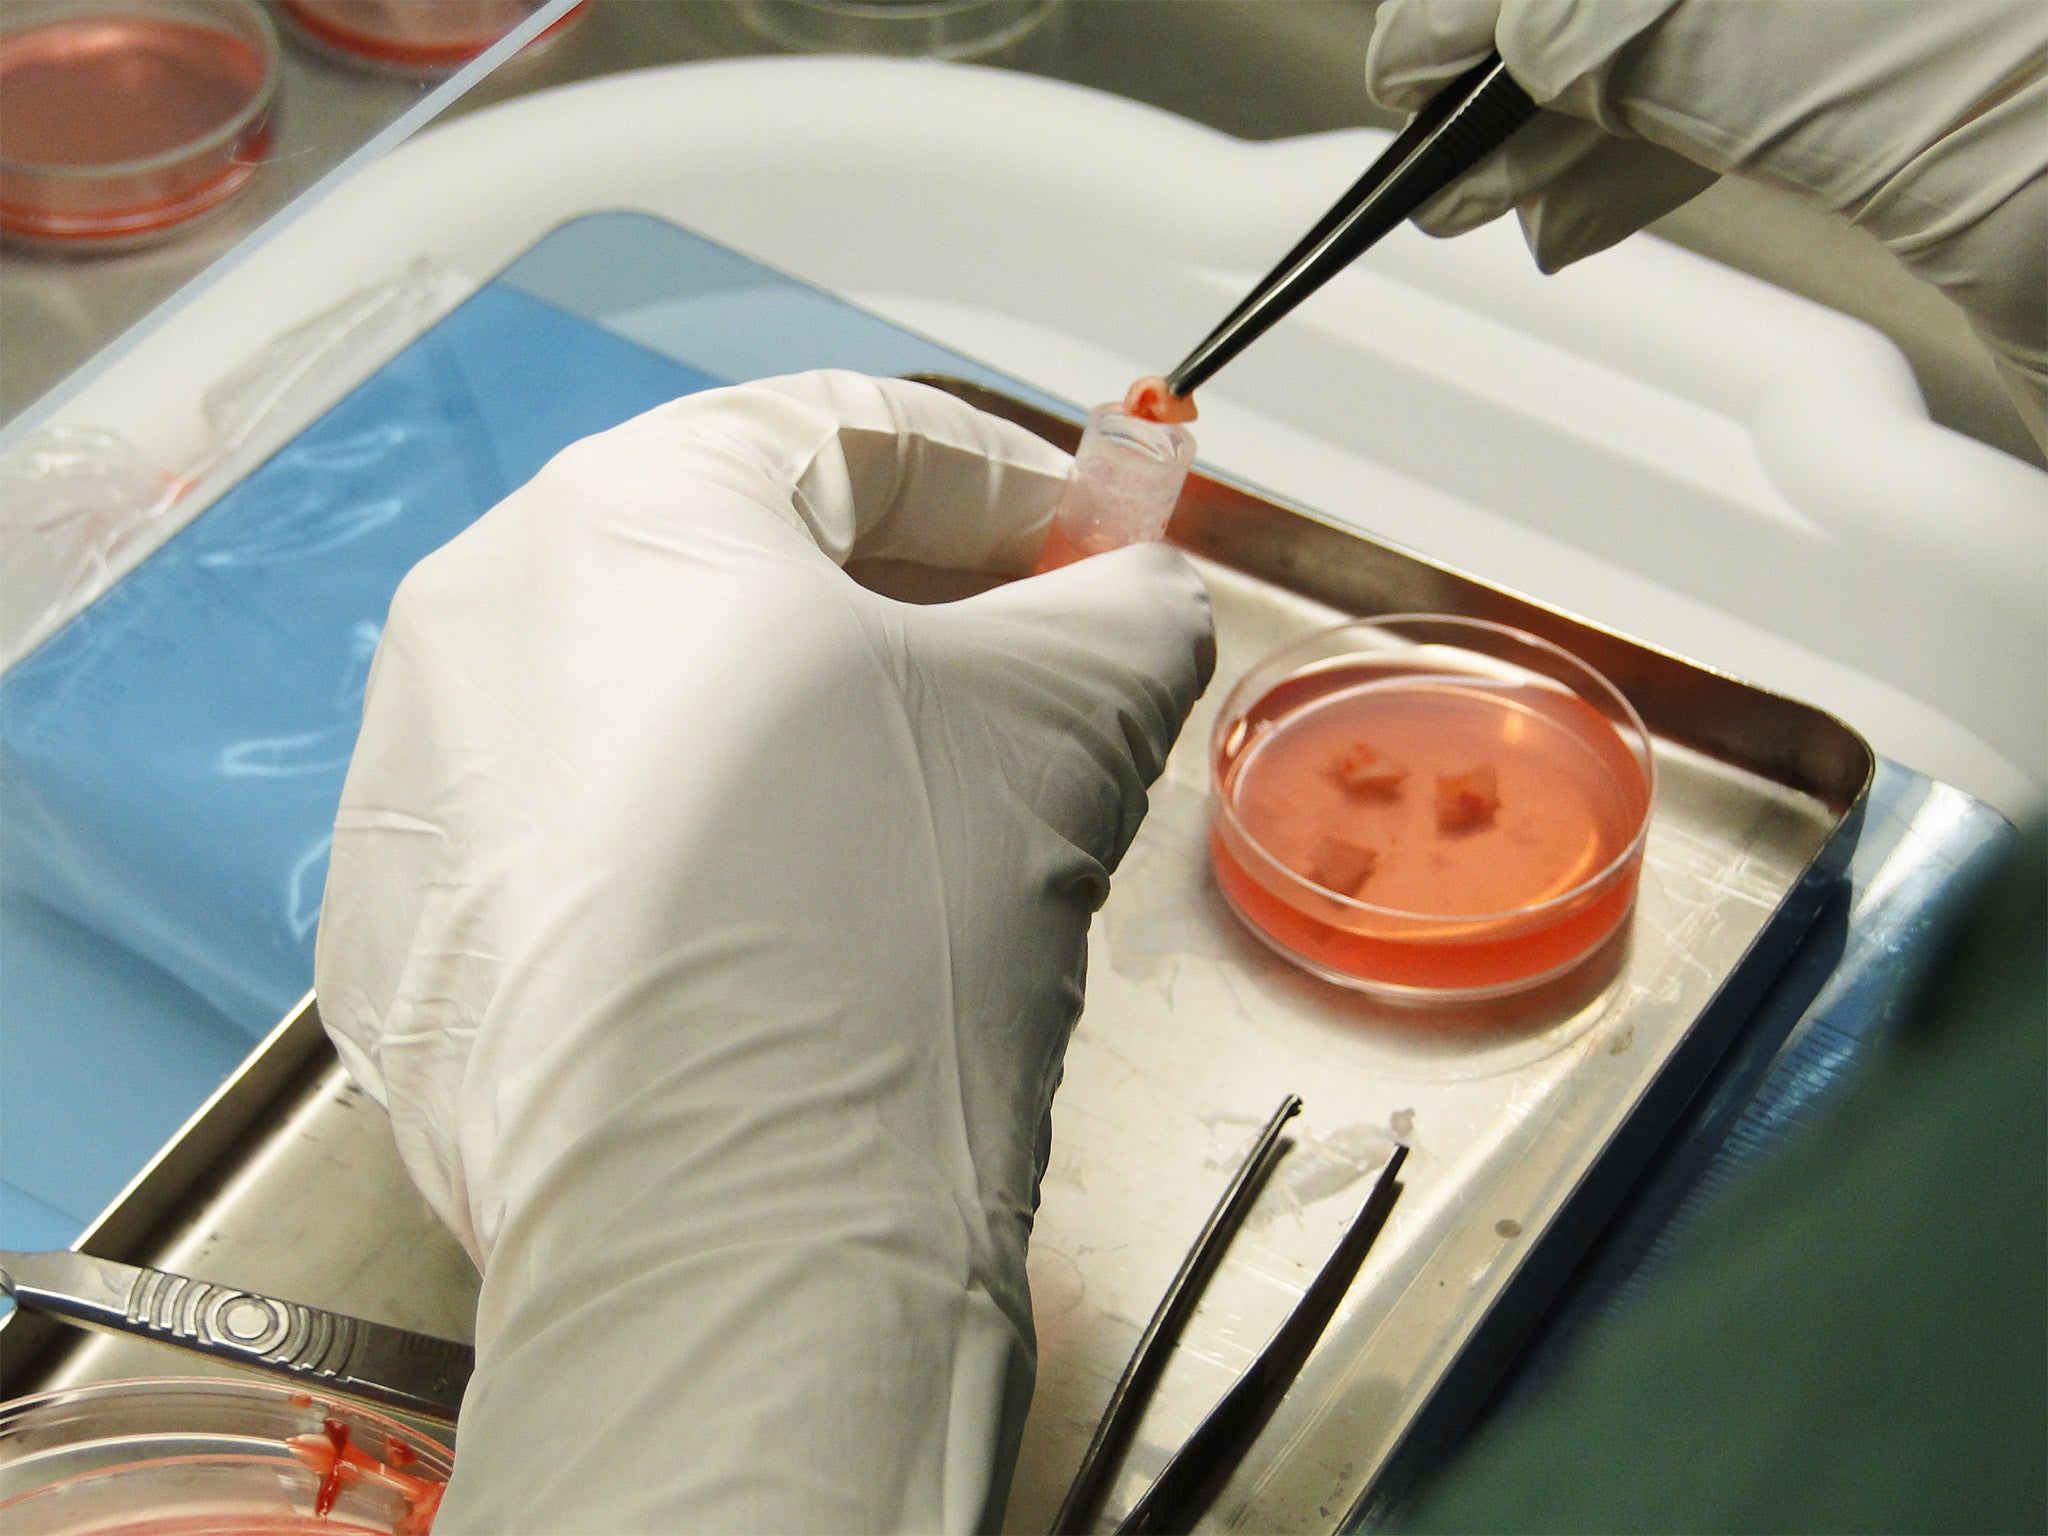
1200	1467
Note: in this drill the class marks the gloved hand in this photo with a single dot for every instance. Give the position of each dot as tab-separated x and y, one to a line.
713	928
1925	124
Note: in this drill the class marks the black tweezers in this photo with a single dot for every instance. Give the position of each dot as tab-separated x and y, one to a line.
1464	123
1200	1467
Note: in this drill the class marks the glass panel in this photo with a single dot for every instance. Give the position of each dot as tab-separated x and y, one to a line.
336	108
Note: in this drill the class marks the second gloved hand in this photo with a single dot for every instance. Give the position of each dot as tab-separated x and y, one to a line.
713	928
1927	124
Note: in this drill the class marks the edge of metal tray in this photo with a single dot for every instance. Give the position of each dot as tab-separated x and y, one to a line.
252	1103
1796	745
1793	744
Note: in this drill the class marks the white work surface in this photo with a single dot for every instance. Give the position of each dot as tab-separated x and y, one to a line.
1649	440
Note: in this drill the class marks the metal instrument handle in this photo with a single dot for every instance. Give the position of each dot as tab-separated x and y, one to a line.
1148	1360
414	1373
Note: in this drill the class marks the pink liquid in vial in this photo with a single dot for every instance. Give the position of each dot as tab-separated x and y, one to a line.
1122	488
1059	550
1411	829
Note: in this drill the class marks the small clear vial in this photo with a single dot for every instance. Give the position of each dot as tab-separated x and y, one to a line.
1126	478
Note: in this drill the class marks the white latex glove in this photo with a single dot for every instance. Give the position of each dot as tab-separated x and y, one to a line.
1924	121
713	928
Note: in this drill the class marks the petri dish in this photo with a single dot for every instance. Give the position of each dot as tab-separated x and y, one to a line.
417	37
212	1457
1430	808
934	29
120	123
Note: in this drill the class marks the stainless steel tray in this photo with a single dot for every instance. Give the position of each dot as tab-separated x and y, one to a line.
1528	1120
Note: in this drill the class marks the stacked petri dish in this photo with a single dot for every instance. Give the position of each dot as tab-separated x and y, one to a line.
1430	808
212	1457
121	123
934	29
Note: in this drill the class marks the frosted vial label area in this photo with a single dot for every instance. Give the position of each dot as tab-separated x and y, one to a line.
1126	478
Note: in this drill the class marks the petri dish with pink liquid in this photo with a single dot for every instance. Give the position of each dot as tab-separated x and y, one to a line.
1430	808
417	37
122	122
212	1457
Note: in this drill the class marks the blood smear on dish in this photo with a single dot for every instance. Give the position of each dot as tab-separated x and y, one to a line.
1444	905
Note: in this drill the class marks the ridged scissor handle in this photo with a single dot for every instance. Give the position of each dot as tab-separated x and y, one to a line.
393	1367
